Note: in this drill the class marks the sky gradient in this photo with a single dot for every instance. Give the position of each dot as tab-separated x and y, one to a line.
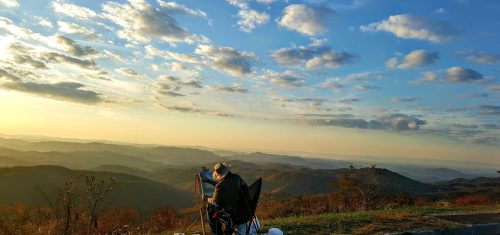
362	77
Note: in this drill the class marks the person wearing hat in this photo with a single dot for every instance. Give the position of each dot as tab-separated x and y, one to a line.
225	194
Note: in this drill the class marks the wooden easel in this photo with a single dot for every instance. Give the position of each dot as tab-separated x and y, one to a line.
200	206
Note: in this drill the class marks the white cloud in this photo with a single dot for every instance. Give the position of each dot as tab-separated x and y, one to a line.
266	1
234	62
235	88
413	27
363	77
73	10
114	56
494	88
140	22
392	62
428	76
44	22
127	72
67	91
176	8
8	25
414	59
249	19
332	84
479	57
9	3
465	75
74	48
241	4
304	19
365	87
315	55
404	99
153	51
72	28
287	79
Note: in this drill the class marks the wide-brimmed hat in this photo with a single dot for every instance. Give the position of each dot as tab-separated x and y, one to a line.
221	169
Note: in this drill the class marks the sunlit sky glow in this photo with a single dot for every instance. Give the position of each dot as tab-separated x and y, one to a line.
362	77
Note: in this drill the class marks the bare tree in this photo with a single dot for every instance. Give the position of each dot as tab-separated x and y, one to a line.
98	199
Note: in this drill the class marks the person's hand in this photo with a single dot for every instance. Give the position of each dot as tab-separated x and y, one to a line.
205	197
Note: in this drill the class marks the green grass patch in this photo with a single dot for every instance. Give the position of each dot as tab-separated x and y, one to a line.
369	222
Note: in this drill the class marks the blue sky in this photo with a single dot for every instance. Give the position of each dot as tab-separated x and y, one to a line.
419	68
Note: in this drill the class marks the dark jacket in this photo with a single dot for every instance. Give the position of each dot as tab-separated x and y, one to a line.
226	191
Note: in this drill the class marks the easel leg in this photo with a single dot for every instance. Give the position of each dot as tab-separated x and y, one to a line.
202	221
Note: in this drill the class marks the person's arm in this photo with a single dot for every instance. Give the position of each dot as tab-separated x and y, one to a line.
218	196
209	181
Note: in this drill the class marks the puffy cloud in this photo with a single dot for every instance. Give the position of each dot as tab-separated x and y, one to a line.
73	10
114	56
176	8
465	75
192	109
332	84
266	1
404	99
8	25
304	19
311	103
365	87
494	88
127	71
166	92
314	56
234	62
489	109
153	51
74	48
26	59
392	62
235	88
416	58
349	100
8	77
330	60
249	19
242	4
476	95
287	79
479	57
22	55
487	140
363	77
171	86
413	27
428	76
141	22
399	122
44	22
68	91
9	3
61	58
72	28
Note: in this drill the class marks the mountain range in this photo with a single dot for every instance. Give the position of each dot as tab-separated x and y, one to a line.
150	176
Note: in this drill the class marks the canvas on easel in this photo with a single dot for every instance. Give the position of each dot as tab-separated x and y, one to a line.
206	189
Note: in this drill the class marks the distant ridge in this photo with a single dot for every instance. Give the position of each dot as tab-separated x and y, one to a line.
19	184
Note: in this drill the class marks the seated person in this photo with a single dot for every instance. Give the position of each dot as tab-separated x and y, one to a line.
226	193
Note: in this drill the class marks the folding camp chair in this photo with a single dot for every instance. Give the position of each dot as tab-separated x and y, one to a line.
244	210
